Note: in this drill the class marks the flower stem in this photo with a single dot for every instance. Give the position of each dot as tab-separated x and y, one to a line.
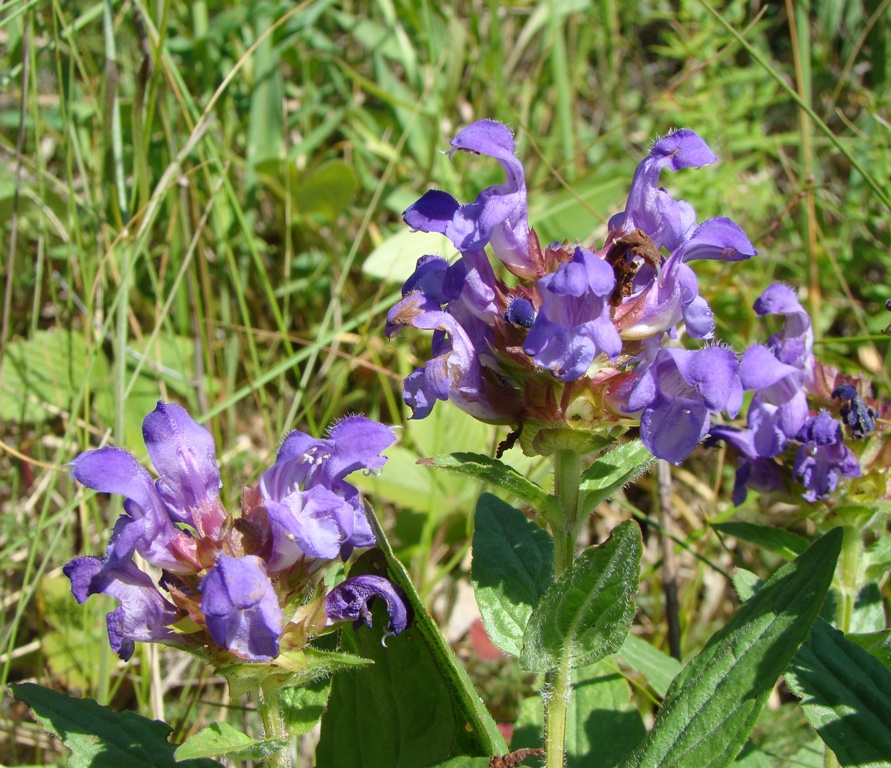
274	727
852	544
567	471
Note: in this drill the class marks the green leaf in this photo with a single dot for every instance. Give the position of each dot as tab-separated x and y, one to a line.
302	707
396	257
846	696
877	644
659	668
513	566
601	719
222	739
500	475
782	543
416	705
713	704
463	762
326	191
43	375
99	737
587	613
612	471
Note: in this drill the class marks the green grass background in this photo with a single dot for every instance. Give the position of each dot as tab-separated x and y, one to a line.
190	194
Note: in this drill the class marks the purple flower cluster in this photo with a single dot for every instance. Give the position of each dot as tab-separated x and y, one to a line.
226	578
581	338
782	375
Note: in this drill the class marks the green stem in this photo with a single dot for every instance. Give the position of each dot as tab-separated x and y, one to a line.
567	472
274	727
852	545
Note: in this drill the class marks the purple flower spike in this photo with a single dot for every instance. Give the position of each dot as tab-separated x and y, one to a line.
823	457
678	392
573	326
351	601
667	222
499	213
241	608
143	615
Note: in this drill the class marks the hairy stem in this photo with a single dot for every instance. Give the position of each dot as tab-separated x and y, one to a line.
567	471
274	727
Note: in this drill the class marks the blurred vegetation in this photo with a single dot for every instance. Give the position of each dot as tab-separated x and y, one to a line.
189	192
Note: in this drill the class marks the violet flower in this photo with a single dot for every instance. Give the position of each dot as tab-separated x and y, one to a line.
351	601
678	392
573	324
455	371
313	512
499	213
143	615
823	457
650	208
241	608
146	526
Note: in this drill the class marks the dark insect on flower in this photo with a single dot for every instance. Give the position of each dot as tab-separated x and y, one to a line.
887	330
626	255
860	418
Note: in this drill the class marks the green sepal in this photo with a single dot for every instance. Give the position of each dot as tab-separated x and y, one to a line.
586	614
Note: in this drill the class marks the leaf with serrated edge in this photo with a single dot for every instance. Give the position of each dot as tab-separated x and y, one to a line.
513	565
845	695
713	704
611	472
587	612
99	737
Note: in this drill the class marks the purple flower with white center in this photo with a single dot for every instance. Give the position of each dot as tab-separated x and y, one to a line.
146	526
313	512
650	208
823	457
573	325
351	601
678	392
143	614
499	215
241	608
